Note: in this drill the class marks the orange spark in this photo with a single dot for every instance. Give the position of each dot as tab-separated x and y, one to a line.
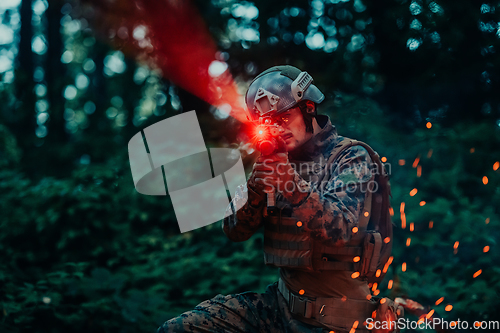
356	259
487	220
378	272
401	162
376	292
448	307
455	245
403	267
477	273
374	287
439	301
485	180
408	241
384	159
391	211
354	230
382	301
389	285
415	163
412	226
496	166
387	240
419	171
429	315
431	224
486	249
413	192
368	297
429	153
355	275
428	125
422	203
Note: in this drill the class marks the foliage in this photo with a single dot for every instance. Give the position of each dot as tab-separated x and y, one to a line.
81	250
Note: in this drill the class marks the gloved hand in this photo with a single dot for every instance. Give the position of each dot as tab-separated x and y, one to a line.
273	173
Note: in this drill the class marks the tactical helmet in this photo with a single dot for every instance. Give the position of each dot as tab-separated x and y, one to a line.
278	89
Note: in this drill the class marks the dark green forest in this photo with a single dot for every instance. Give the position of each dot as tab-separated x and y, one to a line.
82	251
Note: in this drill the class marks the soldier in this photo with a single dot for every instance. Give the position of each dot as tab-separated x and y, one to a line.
317	236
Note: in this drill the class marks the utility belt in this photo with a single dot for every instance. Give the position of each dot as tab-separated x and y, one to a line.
331	312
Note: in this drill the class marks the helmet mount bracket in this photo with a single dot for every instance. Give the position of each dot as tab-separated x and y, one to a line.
266	101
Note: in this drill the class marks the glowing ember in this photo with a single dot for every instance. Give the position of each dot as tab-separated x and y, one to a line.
301	291
387	240
477	273
389	285
403	267
382	301
455	245
354	230
412	226
354	326
422	203
384	159
413	192
428	125
429	153
448	307
487	220
496	166
415	163
486	249
378	272
408	241
391	211
401	162
485	180
419	171
429	315
356	259
431	224
439	301
355	275
374	287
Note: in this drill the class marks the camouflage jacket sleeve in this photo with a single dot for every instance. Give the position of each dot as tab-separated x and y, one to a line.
248	205
330	212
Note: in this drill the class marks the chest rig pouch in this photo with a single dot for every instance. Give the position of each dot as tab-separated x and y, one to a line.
287	243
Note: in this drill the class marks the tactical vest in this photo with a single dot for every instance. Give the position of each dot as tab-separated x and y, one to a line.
287	243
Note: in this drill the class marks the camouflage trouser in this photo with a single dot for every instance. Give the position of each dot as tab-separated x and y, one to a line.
246	312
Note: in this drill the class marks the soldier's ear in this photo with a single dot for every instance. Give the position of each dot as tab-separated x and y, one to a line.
310	107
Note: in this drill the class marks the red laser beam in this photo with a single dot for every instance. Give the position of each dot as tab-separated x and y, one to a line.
182	46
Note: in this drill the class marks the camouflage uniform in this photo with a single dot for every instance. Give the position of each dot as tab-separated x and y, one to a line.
328	212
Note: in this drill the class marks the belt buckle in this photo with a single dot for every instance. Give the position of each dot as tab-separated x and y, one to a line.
301	306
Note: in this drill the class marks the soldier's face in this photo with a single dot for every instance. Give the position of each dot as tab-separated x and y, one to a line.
295	134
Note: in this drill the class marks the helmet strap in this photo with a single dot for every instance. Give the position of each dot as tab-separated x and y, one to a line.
308	110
